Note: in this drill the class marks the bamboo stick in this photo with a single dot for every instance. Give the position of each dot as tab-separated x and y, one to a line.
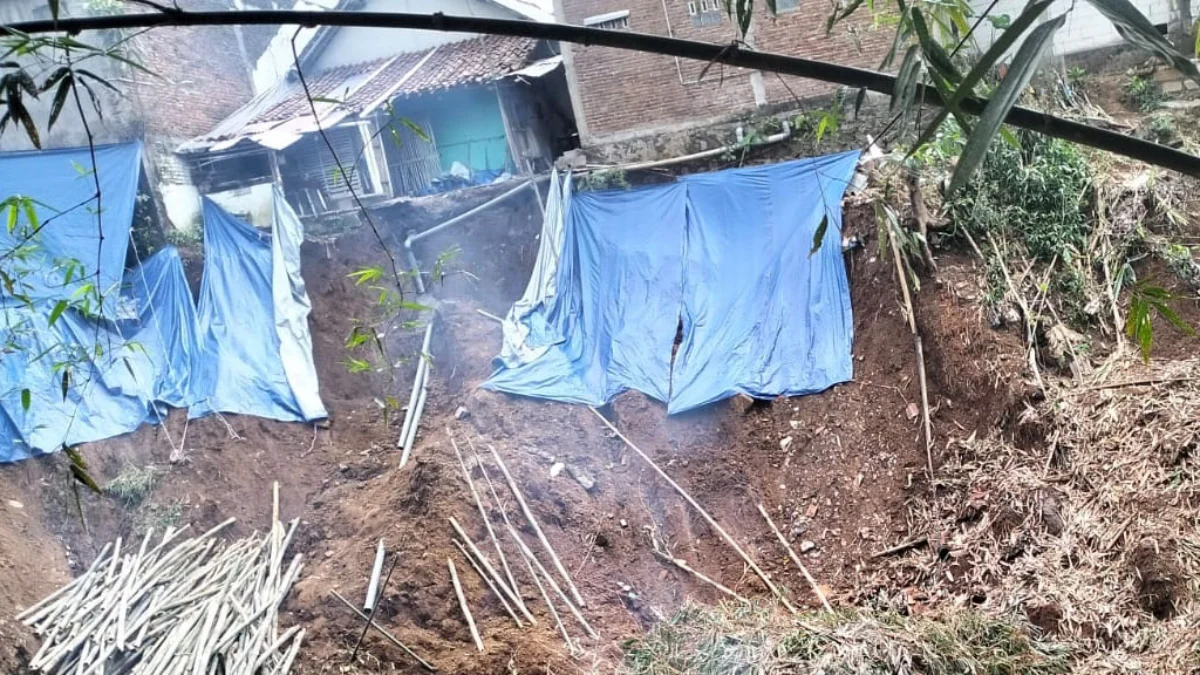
491	585
492	570
391	638
462	602
709	519
508	575
796	559
512	484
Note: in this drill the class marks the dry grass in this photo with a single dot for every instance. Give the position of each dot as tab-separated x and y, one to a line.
736	638
1091	530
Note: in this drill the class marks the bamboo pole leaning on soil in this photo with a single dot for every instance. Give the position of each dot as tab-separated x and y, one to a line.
512	484
487	579
512	582
700	509
528	564
462	602
796	559
911	319
416	400
487	565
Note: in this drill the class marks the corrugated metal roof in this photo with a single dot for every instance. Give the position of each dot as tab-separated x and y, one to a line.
350	90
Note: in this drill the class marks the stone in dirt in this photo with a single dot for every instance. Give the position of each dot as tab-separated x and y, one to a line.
557	469
582	478
806	546
461	413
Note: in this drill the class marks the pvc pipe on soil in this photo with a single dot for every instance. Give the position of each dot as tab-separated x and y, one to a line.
418	381
376	572
412	431
417	236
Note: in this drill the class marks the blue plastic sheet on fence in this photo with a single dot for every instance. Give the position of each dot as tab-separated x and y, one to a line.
118	371
726	253
240	369
62	187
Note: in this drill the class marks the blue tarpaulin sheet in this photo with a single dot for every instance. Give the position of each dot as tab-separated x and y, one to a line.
725	253
119	370
62	187
147	347
240	368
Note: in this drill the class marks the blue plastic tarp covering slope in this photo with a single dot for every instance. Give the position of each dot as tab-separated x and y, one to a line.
761	316
728	254
119	370
617	308
62	185
240	369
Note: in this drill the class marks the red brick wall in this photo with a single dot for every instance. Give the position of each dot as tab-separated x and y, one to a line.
203	76
622	94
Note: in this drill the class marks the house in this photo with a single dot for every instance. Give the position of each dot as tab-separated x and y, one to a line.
1086	29
406	113
619	96
176	97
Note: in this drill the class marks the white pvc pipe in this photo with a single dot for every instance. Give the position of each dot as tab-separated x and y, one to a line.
418	379
373	587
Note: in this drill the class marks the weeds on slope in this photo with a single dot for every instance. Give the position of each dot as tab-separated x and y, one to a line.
735	638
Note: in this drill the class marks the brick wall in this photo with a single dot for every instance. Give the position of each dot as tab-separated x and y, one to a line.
203	76
621	94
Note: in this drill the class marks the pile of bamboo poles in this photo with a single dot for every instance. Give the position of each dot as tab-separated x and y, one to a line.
196	606
501	582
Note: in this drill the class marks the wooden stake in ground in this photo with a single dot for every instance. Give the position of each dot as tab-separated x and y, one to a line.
912	325
796	559
462	602
709	519
512	582
682	564
512	484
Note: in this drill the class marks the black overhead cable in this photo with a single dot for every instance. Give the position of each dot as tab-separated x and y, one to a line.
733	55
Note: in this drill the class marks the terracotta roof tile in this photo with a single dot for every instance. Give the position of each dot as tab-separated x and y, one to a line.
357	86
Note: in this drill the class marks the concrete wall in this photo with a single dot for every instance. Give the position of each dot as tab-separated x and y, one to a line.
1085	29
618	95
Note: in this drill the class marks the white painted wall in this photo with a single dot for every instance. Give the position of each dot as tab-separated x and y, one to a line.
1085	29
182	204
356	45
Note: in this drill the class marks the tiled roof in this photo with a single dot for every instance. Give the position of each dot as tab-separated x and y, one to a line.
360	87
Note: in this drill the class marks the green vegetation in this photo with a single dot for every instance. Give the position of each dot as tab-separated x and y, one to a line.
734	638
132	485
1142	94
607	179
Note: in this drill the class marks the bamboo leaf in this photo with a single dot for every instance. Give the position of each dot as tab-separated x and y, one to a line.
59	308
744	8
26	399
935	54
1023	67
906	79
1137	30
60	98
985	64
415	128
53	8
79	469
819	235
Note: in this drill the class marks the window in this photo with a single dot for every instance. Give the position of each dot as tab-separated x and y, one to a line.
782	6
704	12
611	21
